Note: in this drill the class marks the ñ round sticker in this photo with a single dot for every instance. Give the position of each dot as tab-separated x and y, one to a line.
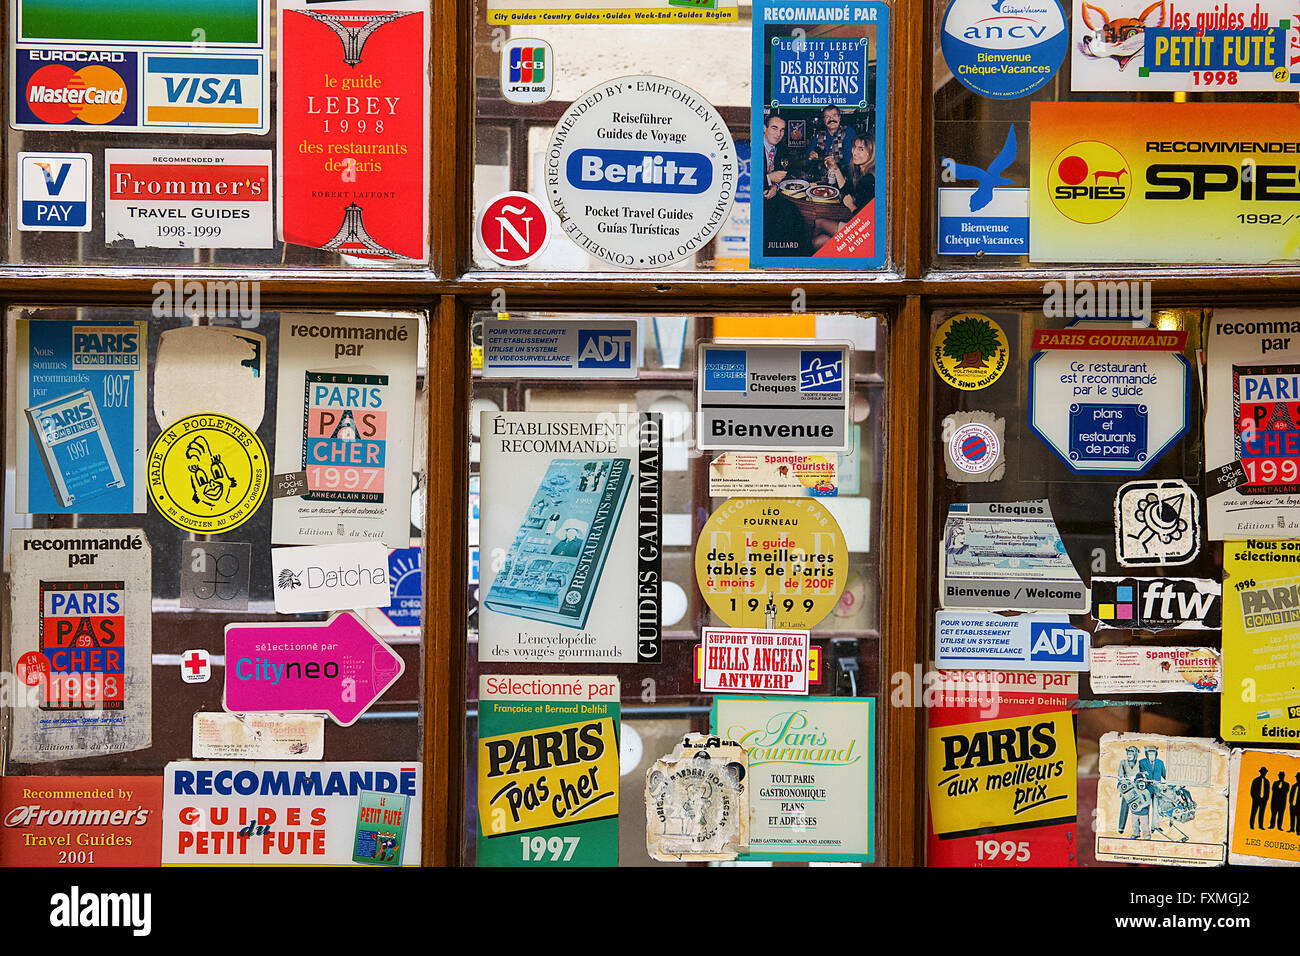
969	351
771	563
207	473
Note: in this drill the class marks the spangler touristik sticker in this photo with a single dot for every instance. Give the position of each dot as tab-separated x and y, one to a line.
353	131
1143	669
81	643
641	172
188	199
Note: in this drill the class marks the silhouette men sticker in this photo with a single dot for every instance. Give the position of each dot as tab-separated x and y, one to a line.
1162	800
1265	808
1157	523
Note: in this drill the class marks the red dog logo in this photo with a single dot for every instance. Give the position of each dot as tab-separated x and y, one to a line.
1119	39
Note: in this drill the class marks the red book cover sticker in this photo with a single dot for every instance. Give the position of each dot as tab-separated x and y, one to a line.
353	129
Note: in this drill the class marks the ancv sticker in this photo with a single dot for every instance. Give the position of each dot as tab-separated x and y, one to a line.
641	172
1004	49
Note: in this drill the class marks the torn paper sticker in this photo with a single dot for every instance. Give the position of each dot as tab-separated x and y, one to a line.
1162	800
975	446
210	368
219	736
697	802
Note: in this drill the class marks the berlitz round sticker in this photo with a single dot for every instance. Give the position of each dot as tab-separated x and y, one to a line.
641	171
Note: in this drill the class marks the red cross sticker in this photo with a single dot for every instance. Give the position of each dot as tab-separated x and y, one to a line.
196	667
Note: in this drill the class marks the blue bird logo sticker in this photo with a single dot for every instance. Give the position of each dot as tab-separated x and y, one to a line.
988	179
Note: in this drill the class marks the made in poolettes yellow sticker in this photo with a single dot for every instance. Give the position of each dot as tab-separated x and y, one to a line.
771	562
969	351
207	473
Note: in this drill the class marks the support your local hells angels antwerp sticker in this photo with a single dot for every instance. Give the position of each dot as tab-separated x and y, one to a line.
641	172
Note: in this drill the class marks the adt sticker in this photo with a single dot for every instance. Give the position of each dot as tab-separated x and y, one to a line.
54	191
527	70
1056	644
601	350
1004	49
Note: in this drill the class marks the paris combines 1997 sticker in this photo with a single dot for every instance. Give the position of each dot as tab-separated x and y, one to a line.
207	473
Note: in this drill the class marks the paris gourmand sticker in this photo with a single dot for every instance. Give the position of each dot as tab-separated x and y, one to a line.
353	128
641	172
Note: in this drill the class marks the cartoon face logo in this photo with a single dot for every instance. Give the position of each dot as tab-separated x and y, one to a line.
210	483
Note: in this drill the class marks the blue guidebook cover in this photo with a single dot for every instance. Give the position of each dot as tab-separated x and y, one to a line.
81	386
817	134
553	567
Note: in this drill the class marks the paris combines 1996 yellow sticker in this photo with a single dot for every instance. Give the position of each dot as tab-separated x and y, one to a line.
207	473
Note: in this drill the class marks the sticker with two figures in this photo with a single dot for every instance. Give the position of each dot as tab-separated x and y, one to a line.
1157	523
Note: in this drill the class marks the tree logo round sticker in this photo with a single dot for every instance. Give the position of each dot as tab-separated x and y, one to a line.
207	473
969	351
641	172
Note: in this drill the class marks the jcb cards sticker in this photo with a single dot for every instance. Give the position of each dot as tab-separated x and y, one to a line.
1003	774
969	351
207	473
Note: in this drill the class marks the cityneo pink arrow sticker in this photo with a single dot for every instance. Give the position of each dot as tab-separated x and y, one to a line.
337	667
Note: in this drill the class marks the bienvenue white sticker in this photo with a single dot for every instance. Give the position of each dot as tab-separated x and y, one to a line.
641	171
330	577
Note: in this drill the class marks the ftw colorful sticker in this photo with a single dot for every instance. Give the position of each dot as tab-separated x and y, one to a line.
82	634
1157	604
1266	423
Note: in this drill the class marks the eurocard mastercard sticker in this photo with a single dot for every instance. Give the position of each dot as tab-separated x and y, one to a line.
771	563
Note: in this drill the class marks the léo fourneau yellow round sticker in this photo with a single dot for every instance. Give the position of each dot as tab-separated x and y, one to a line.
774	563
207	473
969	351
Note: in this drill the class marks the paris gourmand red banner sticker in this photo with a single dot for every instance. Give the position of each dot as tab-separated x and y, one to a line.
354	128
